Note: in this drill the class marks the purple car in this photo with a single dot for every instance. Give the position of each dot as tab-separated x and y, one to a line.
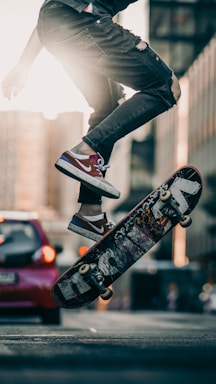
27	267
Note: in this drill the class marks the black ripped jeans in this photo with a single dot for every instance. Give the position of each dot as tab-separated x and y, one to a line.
99	55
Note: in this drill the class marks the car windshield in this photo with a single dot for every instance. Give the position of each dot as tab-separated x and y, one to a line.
18	237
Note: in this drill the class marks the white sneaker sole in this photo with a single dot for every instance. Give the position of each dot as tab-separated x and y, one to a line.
84	232
96	184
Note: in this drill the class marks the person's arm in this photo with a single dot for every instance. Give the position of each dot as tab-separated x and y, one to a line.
16	78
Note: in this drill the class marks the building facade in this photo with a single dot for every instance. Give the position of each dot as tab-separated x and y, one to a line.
187	134
180	29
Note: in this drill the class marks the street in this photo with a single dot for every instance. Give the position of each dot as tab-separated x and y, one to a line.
93	347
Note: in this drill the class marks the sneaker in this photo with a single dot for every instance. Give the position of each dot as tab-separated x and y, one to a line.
93	230
88	170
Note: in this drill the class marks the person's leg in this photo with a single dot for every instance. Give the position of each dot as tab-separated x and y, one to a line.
103	96
130	61
111	51
56	27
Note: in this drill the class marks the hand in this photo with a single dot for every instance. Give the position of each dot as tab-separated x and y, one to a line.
14	82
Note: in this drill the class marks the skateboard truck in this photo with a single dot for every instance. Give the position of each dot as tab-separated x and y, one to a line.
171	209
94	278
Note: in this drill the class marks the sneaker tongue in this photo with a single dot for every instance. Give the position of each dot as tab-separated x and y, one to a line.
95	157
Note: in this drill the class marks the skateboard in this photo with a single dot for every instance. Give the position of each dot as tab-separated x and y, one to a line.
144	226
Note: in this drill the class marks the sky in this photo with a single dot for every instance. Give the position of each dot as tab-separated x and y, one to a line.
48	88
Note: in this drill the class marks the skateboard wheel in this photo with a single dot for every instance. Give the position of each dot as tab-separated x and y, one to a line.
186	222
84	269
165	196
107	294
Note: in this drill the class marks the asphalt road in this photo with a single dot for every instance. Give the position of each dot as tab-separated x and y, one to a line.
109	347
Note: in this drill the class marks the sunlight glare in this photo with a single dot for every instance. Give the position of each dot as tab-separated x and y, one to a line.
48	88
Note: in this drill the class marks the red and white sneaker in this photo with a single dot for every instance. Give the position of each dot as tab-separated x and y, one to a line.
93	230
88	170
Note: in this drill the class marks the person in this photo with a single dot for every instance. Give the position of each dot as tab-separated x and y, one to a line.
100	56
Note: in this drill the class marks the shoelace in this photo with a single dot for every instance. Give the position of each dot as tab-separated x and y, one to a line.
110	224
101	166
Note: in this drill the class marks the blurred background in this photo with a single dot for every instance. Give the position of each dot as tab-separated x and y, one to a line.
50	115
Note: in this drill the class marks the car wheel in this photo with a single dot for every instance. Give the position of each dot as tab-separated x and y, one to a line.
51	316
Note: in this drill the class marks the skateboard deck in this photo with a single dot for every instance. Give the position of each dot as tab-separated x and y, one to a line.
145	225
